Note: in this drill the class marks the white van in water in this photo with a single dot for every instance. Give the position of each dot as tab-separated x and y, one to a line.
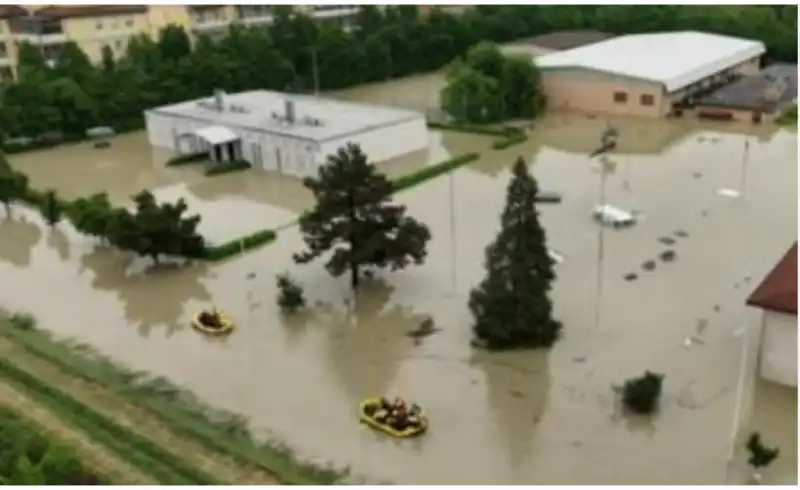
613	216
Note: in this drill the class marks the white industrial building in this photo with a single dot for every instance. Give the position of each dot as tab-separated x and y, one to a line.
289	133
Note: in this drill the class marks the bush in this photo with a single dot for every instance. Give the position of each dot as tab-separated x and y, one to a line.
219	168
179	160
641	395
788	118
290	294
427	173
236	246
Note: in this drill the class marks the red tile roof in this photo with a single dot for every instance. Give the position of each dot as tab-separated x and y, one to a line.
778	291
73	11
10	11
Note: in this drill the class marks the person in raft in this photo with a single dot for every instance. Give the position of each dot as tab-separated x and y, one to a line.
210	318
397	415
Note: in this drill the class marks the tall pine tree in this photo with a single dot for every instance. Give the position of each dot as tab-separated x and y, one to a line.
355	218
511	307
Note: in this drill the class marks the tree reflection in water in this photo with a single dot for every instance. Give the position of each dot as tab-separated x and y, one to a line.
19	235
152	297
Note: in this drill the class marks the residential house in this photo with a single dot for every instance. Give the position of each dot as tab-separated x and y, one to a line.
777	297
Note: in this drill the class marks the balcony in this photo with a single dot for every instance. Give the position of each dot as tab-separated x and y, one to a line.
39	31
333	11
209	19
254	14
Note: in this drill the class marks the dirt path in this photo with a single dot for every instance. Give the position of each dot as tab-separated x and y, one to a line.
94	455
137	419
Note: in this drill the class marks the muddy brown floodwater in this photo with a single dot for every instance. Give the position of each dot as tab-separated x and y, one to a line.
524	417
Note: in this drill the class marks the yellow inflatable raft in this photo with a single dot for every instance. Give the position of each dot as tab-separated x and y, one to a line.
225	321
369	406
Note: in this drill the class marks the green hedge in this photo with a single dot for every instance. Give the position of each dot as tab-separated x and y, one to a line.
473	128
179	160
219	168
139	451
509	141
178	409
435	170
248	242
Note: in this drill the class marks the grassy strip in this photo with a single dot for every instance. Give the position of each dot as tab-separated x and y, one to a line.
141	452
219	168
435	170
180	160
178	409
53	462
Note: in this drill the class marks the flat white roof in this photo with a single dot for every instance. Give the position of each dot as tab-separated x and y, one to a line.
217	135
316	118
674	59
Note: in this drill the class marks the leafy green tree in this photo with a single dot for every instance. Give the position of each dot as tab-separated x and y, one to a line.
511	307
355	218
174	43
5	167
487	86
759	456
155	229
13	187
91	216
51	208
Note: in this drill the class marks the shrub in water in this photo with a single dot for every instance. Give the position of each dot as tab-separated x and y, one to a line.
641	395
290	294
759	455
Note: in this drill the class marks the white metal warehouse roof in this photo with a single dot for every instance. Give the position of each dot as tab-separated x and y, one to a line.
675	59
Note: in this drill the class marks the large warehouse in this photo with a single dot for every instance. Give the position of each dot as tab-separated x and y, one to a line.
288	133
650	75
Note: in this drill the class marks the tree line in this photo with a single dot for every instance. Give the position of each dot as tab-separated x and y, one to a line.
64	98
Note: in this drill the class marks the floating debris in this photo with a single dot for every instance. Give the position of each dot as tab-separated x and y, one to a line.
728	192
425	328
697	175
681	233
667	240
667	256
631	276
704	213
649	265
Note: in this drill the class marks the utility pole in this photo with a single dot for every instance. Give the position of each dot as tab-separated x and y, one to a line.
314	70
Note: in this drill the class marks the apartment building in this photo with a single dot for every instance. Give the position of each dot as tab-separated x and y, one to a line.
93	27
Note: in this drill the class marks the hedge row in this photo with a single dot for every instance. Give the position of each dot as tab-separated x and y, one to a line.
435	170
180	160
215	253
503	131
509	141
219	168
178	409
139	451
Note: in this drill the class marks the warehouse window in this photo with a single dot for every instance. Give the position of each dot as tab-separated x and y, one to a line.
620	97
646	99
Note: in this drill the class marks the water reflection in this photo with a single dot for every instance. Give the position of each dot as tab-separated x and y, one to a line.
156	298
368	339
57	240
19	235
517	398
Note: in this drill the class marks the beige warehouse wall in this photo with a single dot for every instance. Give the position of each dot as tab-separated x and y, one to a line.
574	90
92	33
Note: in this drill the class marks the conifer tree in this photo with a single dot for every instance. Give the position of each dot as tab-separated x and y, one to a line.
511	307
355	218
